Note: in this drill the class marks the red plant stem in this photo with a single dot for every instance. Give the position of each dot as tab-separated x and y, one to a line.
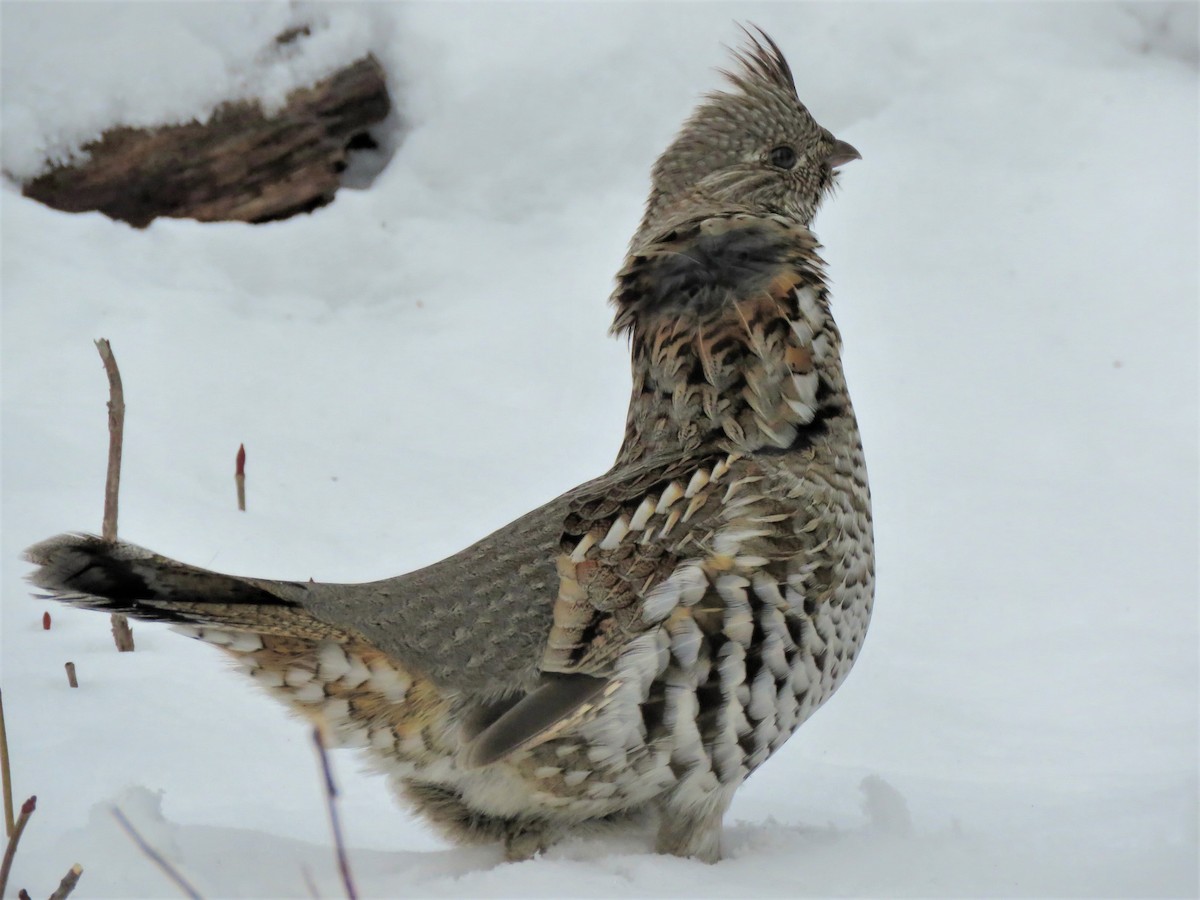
239	477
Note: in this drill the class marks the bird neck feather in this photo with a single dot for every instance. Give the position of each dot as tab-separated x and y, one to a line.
733	346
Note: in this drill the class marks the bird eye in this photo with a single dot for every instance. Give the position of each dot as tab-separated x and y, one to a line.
783	157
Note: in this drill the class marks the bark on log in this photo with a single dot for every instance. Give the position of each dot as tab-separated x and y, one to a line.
240	165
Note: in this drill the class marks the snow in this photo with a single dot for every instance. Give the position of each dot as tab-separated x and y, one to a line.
1015	275
69	76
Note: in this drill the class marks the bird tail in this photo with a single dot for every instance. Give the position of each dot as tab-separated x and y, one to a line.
329	674
115	576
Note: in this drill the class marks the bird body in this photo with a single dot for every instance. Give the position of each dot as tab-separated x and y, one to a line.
632	650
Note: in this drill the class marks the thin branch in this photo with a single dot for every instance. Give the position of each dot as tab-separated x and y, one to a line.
309	883
122	634
5	778
116	429
68	883
330	801
10	851
153	855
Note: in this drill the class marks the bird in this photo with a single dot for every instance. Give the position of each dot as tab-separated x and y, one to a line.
626	655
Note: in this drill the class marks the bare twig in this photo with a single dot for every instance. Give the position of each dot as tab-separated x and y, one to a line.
330	801
68	883
70	667
5	778
10	851
309	883
239	476
122	634
116	428
14	829
153	855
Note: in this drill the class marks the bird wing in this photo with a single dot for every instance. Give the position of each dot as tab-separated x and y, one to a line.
526	626
632	547
479	622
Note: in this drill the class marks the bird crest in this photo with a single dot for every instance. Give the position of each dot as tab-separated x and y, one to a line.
761	62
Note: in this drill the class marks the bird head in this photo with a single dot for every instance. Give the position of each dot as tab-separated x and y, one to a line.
755	147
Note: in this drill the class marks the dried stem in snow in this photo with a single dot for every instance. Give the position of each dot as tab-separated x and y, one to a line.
331	803
10	851
68	883
122	634
5	778
154	856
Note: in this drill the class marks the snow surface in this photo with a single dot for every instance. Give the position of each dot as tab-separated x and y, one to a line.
1015	274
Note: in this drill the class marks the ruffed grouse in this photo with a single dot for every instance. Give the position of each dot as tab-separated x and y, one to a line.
634	649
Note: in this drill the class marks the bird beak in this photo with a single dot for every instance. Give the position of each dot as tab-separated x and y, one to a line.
840	154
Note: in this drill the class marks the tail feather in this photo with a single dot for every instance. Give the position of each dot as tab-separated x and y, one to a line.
115	576
329	674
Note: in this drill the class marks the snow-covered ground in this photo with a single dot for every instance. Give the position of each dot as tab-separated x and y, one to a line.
1015	274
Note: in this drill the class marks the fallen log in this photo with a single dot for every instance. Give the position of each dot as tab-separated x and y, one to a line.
242	164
